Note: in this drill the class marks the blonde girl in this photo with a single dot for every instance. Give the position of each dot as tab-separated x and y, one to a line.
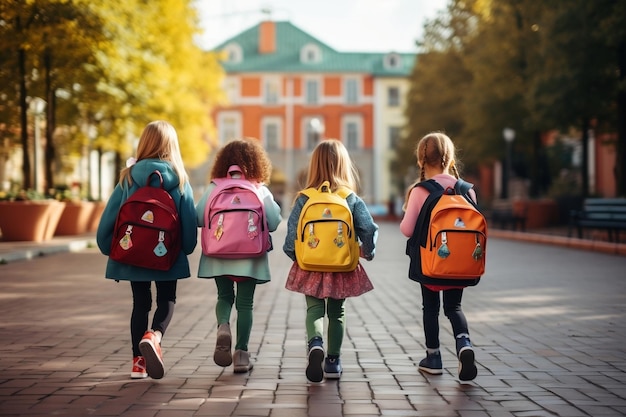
326	292
158	149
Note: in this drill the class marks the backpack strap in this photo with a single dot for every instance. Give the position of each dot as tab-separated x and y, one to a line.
463	187
420	233
235	168
159	176
343	192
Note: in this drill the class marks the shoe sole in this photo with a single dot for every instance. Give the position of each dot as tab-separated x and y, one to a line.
154	364
467	365
222	355
430	370
314	371
242	369
332	375
138	375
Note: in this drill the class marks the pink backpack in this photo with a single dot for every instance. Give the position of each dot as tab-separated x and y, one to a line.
235	226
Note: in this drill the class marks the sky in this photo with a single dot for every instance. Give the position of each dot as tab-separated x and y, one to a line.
345	25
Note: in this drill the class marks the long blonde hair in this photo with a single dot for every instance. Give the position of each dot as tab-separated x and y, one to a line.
331	162
159	141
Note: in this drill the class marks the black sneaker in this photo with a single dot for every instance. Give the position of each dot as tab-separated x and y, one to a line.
314	371
467	363
431	364
332	368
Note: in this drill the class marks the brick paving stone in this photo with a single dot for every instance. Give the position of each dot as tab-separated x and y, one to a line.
547	323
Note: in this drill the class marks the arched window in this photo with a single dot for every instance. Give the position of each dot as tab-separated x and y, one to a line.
393	61
234	53
310	53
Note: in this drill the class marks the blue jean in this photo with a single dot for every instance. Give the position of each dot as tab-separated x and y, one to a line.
431	302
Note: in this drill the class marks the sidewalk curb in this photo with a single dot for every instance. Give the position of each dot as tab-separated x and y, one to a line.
32	252
611	248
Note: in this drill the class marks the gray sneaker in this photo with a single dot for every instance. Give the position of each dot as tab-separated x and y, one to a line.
223	356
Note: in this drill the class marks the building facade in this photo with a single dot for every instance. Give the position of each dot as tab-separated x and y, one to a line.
289	90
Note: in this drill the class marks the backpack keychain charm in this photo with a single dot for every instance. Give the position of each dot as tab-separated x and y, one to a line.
126	242
313	240
220	227
252	229
443	251
160	249
478	251
339	241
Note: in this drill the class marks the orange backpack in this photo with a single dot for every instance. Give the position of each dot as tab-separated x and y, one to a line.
448	245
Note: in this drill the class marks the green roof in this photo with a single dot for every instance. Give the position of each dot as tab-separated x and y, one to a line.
286	58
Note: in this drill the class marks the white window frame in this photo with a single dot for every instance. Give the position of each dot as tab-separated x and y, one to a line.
232	87
351	87
352	144
234	53
310	54
229	126
312	100
394	101
392	61
278	123
271	90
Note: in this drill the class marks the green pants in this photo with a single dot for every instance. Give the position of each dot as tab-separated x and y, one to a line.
243	301
316	309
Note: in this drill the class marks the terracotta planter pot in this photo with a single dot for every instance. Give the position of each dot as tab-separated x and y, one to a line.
33	221
75	218
96	213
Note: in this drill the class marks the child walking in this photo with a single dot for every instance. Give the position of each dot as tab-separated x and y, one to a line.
436	160
158	150
326	291
250	157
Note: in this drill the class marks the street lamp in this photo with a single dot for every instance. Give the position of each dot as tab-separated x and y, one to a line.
317	129
509	137
37	107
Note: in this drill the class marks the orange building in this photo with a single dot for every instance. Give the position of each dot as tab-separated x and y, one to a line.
288	89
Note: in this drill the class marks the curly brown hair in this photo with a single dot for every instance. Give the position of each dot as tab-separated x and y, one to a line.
249	155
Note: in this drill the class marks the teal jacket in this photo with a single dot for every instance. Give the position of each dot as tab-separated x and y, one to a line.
184	203
257	268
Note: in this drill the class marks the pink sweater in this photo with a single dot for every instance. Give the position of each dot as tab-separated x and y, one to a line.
417	197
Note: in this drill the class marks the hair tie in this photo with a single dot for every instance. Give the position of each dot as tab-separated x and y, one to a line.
131	161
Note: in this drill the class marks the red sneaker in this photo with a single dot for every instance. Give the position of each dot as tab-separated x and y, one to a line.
139	368
151	351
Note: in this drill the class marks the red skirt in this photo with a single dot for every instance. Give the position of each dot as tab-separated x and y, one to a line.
337	285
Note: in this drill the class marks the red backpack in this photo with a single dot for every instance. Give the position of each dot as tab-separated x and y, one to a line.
147	229
235	225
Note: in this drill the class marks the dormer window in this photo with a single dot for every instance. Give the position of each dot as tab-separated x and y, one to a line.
310	53
234	53
393	61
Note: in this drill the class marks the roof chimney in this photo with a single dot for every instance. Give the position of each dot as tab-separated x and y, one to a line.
267	37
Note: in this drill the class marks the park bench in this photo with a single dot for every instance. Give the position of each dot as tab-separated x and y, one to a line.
504	215
607	214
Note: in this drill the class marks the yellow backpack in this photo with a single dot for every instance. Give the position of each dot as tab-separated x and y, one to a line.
326	240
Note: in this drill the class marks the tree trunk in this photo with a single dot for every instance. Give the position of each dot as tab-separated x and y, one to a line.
584	168
21	62
50	123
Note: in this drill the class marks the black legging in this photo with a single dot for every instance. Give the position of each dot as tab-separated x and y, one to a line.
142	304
452	309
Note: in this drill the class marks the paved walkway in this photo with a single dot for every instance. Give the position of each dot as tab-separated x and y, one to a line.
548	324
